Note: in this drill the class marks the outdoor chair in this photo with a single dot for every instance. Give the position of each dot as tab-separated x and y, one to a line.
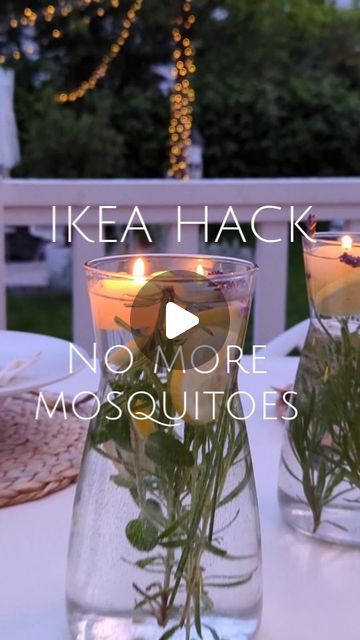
290	340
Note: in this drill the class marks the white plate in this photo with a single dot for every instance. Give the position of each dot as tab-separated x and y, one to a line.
53	364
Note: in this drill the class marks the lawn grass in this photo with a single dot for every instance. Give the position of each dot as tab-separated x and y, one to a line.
297	303
40	312
50	313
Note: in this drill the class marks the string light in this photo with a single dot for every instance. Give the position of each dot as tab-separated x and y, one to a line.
48	13
101	71
15	55
182	95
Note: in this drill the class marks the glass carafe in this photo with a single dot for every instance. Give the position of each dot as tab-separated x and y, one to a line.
165	539
319	482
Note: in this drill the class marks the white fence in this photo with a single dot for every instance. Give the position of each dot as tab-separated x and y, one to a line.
29	202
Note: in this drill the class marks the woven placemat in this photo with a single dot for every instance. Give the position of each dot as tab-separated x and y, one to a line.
37	457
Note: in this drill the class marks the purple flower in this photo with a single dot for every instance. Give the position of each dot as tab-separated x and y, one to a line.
220	285
311	225
351	261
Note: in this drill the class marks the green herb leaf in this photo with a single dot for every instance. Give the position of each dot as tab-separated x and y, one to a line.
164	449
197	612
120	432
121	481
230	584
169	633
173	544
215	550
145	562
152	511
173	527
213	632
239	487
116	430
142	534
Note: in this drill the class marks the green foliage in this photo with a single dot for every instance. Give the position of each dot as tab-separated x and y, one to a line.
38	313
141	115
103	137
277	91
284	98
142	534
60	142
166	450
324	436
310	127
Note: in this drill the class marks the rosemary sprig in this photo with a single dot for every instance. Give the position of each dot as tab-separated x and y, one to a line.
178	481
325	436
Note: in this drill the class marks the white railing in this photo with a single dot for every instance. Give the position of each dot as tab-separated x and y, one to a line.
29	202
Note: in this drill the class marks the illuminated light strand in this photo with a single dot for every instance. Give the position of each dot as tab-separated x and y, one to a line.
48	14
182	95
101	71
15	55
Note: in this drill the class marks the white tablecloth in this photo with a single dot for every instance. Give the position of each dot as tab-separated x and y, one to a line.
311	590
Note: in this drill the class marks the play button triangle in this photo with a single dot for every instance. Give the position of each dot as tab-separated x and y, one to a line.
178	320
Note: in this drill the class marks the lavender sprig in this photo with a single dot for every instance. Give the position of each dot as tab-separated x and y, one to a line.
311	224
351	261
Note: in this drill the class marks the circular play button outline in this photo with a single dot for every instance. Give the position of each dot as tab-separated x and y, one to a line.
186	305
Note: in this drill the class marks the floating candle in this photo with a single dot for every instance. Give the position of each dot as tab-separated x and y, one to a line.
113	298
334	284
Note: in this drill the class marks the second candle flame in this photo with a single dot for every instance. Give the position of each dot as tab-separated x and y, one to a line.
346	243
200	269
139	270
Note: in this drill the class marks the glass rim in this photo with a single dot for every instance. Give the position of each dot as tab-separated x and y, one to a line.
91	267
331	238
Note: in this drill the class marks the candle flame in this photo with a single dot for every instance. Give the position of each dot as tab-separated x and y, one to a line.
139	270
200	269
346	243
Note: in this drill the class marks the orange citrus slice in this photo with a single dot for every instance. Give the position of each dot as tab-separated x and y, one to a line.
205	408
341	297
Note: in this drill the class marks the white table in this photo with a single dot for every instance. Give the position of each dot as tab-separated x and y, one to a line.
311	590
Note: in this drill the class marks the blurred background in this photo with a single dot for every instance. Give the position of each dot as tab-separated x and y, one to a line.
277	94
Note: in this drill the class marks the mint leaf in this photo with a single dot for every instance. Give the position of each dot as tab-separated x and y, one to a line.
142	534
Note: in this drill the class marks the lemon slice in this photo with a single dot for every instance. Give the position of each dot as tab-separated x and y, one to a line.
340	298
216	327
144	426
183	386
120	357
221	315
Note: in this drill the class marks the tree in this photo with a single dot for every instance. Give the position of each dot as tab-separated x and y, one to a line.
283	98
277	87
